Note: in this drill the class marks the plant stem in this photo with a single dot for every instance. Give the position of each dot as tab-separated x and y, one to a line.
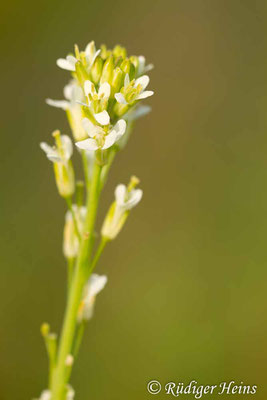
79	279
70	206
78	339
98	253
86	170
71	262
106	168
81	327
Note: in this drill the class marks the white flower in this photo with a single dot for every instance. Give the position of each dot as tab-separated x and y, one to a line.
91	53
95	284
73	95
134	90
70	239
69	62
99	138
56	154
142	67
60	156
125	200
91	93
98	100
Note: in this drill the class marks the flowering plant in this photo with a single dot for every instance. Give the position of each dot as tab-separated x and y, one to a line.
102	101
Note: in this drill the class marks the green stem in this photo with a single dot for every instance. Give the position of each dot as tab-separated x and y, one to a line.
51	347
86	170
98	253
107	166
78	339
70	206
71	262
79	279
81	327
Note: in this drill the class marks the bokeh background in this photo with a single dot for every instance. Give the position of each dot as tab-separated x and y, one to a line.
186	297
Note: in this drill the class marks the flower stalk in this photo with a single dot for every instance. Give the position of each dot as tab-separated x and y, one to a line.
79	279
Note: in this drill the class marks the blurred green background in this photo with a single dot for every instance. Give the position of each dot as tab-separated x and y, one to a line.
186	297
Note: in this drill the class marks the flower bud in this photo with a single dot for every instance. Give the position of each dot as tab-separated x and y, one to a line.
45	329
119	51
117	79
125	199
96	70
105	53
60	156
121	109
82	74
126	66
77	52
74	115
132	71
107	70
95	284
134	61
65	180
70	238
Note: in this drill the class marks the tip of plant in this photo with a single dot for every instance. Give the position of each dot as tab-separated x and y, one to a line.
45	329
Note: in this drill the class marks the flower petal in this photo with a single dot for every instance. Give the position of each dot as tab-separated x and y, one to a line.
141	65
89	127
72	60
90	49
77	94
63	104
120	98
45	395
67	91
144	95
148	67
94	57
138	112
88	87
65	64
50	152
126	80
143	81
102	118
120	194
73	92
135	197
67	146
96	284
119	128
110	139
87	144
104	90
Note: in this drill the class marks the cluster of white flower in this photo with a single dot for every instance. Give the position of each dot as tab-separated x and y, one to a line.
103	95
106	85
102	100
